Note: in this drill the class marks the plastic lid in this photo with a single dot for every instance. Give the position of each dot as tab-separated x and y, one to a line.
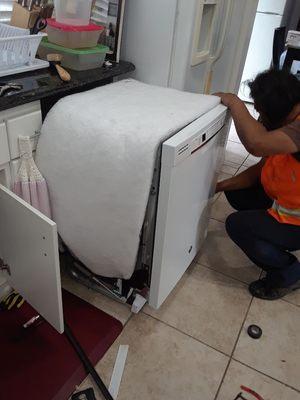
74	28
91	50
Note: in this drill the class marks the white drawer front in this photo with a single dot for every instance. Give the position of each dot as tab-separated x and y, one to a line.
25	125
4	152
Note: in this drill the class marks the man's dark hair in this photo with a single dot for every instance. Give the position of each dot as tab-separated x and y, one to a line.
275	93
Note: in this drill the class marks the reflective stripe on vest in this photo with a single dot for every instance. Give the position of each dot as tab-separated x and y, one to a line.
285	211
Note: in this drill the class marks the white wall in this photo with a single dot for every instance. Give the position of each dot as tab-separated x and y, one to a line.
5	10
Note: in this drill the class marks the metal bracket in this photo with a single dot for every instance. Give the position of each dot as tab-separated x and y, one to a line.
4	267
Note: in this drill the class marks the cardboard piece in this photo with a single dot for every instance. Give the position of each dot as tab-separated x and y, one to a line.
22	18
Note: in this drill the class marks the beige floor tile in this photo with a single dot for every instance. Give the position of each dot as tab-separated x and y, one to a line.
220	253
293	298
230	168
117	310
242	169
221	209
251	160
233	136
235	152
222	176
163	364
269	389
208	306
277	352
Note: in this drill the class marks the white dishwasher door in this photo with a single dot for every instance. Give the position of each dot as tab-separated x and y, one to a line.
189	168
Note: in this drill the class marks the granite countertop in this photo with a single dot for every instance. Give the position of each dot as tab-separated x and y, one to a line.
44	83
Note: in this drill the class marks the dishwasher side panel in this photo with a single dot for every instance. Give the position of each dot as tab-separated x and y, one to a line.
184	204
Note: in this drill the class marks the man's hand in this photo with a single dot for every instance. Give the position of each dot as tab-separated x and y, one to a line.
228	99
221	186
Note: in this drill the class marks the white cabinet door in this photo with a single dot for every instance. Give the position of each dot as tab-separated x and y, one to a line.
29	246
24	125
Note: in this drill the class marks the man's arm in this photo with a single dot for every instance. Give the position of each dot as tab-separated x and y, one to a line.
243	180
254	136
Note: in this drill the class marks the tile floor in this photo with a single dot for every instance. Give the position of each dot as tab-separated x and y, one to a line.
196	346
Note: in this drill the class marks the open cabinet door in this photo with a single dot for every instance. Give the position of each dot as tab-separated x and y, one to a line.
29	248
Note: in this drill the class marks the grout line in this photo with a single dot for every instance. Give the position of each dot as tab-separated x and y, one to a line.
234	347
222	222
290	302
186	334
222	379
266	375
128	319
217	197
232	164
236	164
223	273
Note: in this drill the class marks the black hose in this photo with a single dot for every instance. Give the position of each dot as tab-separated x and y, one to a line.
87	363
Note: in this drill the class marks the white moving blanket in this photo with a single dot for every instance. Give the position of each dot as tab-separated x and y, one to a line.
97	152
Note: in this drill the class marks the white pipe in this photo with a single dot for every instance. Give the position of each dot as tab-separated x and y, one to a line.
118	370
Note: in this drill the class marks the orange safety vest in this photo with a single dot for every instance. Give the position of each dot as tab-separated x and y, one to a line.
280	178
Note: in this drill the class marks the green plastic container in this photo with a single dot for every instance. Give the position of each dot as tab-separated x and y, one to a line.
76	59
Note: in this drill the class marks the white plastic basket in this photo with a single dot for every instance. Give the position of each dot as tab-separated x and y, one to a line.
17	46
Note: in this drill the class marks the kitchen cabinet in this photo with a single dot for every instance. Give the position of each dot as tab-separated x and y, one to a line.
28	124
25	120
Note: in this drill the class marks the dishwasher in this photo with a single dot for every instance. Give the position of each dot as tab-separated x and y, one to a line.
174	228
190	163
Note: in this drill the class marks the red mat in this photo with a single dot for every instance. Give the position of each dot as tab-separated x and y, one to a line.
42	365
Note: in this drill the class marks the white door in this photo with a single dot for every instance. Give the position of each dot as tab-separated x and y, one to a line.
29	247
189	167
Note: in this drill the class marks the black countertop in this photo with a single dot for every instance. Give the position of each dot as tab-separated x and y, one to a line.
45	83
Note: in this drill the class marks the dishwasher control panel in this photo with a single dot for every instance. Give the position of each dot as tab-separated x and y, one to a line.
194	136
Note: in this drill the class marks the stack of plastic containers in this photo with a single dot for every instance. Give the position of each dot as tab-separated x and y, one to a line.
73	36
